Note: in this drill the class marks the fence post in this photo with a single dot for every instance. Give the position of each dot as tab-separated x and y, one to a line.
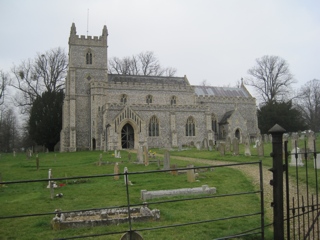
277	182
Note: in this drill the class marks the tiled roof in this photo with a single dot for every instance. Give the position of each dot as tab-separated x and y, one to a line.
221	91
226	116
147	79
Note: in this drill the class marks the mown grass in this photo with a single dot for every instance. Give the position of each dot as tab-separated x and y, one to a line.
103	192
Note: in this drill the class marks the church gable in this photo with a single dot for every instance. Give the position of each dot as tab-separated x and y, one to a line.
128	115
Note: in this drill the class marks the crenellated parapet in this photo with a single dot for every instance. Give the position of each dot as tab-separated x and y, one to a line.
91	41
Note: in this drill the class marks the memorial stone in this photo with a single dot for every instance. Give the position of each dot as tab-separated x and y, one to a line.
116	171
235	144
166	161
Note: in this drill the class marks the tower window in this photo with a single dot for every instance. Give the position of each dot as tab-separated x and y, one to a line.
89	58
173	100
149	99
123	98
190	127
154	127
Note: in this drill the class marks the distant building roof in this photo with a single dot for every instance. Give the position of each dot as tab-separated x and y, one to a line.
221	91
147	79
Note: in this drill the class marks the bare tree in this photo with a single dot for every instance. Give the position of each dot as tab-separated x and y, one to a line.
33	77
9	134
271	78
308	104
144	63
4	82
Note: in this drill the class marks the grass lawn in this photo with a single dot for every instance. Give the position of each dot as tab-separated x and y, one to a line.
104	192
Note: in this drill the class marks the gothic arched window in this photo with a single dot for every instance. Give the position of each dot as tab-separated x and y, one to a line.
89	58
154	127
190	127
149	99
173	100
123	98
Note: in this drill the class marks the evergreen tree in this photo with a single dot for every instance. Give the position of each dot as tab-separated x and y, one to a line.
45	120
281	113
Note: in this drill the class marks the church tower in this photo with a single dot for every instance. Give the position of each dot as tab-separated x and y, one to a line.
84	92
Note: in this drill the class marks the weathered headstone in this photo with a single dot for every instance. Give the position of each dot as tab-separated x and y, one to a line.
198	146
235	144
116	171
14	153
140	154
205	143
247	151
228	144
190	174
166	160
296	157
180	147
222	148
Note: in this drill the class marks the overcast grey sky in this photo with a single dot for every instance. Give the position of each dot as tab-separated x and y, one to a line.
216	41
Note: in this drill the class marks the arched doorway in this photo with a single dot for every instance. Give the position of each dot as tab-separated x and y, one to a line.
127	137
237	134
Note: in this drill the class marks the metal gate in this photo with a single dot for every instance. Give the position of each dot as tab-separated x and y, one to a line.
296	213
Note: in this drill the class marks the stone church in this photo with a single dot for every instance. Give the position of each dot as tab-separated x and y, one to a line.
104	111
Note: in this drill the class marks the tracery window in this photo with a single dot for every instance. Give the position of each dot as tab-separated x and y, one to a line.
173	100
123	98
89	58
154	127
190	127
149	99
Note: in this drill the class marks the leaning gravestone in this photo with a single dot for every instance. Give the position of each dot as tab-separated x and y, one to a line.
235	144
166	161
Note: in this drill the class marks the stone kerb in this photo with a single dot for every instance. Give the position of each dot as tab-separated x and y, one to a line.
204	189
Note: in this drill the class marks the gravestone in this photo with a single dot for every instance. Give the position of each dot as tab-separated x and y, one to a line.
140	154
222	149
116	171
190	174
198	146
205	143
166	160
126	176
228	144
265	138
247	151
180	147
296	161
235	144
302	135
14	153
